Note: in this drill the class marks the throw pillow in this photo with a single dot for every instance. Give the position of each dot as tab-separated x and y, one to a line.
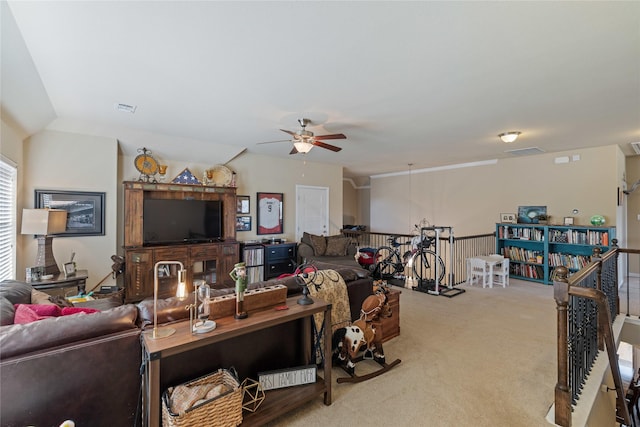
337	246
306	238
73	310
319	244
39	297
26	313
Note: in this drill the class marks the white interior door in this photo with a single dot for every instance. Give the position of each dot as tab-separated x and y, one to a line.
312	210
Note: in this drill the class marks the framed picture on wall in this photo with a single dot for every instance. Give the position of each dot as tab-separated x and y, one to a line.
243	223
270	213
85	210
242	204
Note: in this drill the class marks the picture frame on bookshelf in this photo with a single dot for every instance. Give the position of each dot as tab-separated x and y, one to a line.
243	223
242	204
508	218
530	214
568	220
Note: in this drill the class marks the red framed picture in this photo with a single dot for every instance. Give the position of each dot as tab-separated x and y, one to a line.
270	213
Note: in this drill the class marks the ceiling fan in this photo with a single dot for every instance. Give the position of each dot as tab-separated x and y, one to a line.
304	140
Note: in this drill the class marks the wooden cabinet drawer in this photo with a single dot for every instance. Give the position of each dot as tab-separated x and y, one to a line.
203	252
171	254
277	268
280	251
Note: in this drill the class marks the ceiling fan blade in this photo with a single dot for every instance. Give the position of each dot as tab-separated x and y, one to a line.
289	132
270	142
327	146
293	151
332	136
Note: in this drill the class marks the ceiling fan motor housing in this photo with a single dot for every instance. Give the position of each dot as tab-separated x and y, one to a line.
304	134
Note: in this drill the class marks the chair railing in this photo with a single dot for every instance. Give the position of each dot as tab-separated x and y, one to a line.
587	303
454	260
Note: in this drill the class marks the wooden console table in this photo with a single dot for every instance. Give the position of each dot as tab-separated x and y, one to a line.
276	402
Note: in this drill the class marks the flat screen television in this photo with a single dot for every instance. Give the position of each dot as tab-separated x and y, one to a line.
173	221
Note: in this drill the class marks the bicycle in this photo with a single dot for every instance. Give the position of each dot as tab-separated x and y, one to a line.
390	264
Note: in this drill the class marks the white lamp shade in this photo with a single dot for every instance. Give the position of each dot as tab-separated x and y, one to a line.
43	222
303	147
509	136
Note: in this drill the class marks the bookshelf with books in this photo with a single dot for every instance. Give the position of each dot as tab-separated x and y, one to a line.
534	250
525	246
253	256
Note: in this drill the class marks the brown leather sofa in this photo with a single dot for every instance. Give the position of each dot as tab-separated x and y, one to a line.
86	367
83	367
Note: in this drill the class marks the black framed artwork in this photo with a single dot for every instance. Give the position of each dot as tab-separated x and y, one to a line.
243	223
270	213
85	210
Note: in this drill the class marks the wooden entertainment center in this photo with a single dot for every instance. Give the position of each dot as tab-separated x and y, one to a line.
211	260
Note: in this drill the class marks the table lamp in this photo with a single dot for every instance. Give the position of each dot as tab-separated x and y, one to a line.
181	293
44	223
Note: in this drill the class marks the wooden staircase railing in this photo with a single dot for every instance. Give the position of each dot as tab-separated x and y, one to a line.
585	322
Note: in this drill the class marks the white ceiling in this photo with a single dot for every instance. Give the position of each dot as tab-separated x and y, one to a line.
427	83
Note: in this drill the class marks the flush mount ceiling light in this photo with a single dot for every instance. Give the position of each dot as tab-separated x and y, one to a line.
303	146
509	136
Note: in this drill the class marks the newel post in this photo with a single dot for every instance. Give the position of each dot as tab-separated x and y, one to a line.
562	392
597	257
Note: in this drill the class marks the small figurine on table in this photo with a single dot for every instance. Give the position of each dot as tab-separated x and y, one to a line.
239	274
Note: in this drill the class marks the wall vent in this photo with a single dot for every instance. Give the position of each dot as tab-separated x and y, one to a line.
126	108
636	147
525	151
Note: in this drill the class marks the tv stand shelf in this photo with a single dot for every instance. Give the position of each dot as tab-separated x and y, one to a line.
211	261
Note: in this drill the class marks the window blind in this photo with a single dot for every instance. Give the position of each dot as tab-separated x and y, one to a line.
8	173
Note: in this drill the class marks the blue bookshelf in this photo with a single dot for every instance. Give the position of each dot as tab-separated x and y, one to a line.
535	250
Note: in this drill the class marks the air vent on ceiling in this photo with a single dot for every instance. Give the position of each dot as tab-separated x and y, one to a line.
126	108
636	147
525	151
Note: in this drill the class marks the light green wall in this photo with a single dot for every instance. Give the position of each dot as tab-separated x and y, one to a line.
471	199
632	202
11	137
256	173
65	161
350	214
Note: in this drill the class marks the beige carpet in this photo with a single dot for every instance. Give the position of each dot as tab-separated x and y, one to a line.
484	358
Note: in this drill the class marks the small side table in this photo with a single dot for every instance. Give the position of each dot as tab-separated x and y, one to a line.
79	280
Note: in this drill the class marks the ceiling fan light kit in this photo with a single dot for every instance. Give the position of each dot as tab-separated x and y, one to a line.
304	140
510	136
303	146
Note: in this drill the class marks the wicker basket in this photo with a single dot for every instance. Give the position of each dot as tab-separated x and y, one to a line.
224	410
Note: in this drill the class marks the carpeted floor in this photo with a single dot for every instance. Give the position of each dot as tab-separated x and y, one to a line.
484	358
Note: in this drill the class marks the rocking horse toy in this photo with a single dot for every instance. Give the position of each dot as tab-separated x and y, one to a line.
348	342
